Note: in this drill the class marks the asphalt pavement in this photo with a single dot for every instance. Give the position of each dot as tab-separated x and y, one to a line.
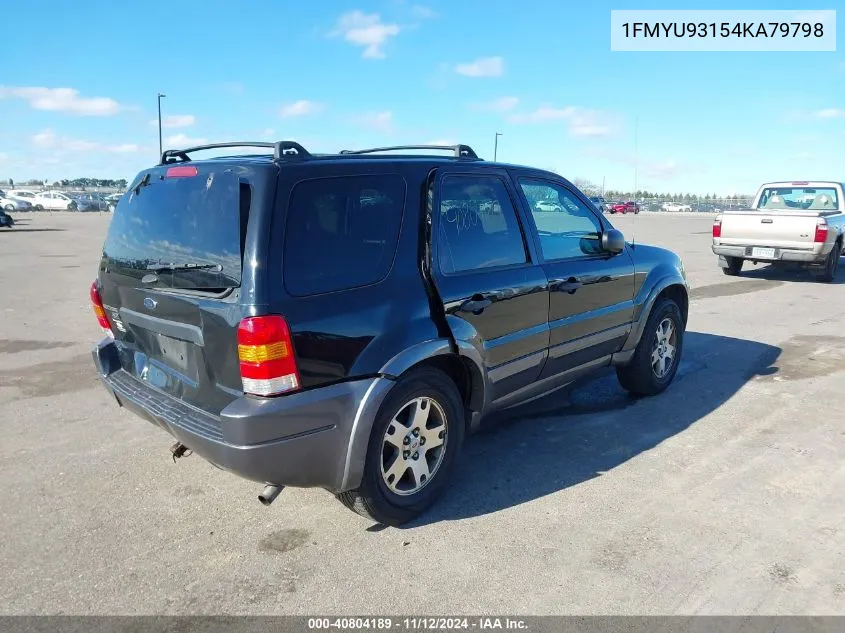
724	495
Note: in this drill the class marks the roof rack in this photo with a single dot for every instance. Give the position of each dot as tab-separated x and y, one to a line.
460	151
281	149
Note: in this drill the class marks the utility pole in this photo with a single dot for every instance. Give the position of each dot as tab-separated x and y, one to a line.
496	146
160	96
602	186
636	152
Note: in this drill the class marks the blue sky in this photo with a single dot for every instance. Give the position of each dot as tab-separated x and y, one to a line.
366	73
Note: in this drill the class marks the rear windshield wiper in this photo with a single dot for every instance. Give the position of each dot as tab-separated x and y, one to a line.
155	269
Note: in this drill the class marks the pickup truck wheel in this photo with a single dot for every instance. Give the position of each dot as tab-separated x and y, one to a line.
658	353
831	264
734	266
414	444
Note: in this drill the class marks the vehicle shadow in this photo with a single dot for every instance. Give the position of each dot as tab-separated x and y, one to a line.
790	273
577	434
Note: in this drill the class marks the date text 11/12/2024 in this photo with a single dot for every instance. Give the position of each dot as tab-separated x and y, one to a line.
416	623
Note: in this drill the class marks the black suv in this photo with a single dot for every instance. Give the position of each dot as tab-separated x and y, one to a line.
343	321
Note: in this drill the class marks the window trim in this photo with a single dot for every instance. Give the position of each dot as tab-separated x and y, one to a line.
603	225
435	225
289	192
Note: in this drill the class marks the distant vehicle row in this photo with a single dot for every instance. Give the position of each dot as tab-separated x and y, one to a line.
26	200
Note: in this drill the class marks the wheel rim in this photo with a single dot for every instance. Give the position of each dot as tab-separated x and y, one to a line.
665	346
414	446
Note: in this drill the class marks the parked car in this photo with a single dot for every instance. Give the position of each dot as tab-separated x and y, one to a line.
342	321
676	207
548	205
54	201
8	203
112	200
625	207
797	222
22	194
600	203
89	202
6	219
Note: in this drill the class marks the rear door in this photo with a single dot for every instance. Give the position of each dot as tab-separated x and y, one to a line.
590	292
494	293
171	277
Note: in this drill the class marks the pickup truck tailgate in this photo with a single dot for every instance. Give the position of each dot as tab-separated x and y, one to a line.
780	230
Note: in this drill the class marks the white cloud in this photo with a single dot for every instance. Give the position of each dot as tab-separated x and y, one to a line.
662	170
62	100
581	122
180	141
366	30
3	156
440	142
378	121
268	133
47	139
502	104
299	108
175	120
831	113
482	67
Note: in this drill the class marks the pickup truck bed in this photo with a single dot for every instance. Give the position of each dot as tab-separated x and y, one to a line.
812	238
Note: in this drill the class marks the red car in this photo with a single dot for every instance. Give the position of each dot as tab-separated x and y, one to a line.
625	207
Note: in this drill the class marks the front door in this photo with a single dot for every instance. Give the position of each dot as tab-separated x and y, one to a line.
590	291
493	291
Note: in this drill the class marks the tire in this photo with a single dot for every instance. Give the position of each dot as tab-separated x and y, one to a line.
831	264
640	377
734	266
374	499
39	207
10	207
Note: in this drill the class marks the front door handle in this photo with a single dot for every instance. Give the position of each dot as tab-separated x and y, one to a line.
476	304
571	285
766	221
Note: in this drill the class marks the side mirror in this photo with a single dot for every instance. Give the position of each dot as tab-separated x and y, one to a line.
613	242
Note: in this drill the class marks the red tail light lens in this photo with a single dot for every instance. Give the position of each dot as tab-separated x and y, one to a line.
183	171
821	232
265	352
717	227
99	310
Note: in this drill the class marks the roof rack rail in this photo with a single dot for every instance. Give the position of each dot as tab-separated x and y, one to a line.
460	151
281	149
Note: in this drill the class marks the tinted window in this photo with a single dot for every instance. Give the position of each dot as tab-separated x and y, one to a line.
478	227
179	221
342	232
567	227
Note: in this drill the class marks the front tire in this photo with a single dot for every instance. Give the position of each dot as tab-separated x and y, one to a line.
734	266
39	207
414	444
658	353
831	264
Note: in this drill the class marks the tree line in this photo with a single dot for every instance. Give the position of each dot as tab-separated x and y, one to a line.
591	189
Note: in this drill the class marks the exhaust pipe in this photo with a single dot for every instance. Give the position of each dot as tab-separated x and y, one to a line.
269	494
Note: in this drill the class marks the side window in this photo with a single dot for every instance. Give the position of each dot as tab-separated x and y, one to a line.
567	227
341	232
478	227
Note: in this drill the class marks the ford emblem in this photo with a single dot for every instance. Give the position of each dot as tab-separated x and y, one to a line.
150	303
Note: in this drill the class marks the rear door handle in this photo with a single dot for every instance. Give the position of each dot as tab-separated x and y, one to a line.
766	221
571	285
476	304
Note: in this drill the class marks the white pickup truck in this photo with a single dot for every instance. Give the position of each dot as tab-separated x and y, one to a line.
796	222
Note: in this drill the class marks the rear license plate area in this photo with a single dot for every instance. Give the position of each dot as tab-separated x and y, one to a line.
763	253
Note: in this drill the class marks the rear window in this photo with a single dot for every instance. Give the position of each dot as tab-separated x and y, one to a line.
799	199
341	232
195	223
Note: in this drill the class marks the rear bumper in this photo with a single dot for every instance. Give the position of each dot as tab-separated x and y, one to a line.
316	438
781	254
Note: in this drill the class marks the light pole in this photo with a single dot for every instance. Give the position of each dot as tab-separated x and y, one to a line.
496	146
160	96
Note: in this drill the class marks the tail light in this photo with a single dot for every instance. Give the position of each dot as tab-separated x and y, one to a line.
717	227
821	231
99	309
265	352
182	171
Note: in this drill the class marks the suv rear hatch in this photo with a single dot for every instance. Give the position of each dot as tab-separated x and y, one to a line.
171	274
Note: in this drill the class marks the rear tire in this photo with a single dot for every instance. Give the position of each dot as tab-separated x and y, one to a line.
433	395
645	375
831	264
734	266
39	207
